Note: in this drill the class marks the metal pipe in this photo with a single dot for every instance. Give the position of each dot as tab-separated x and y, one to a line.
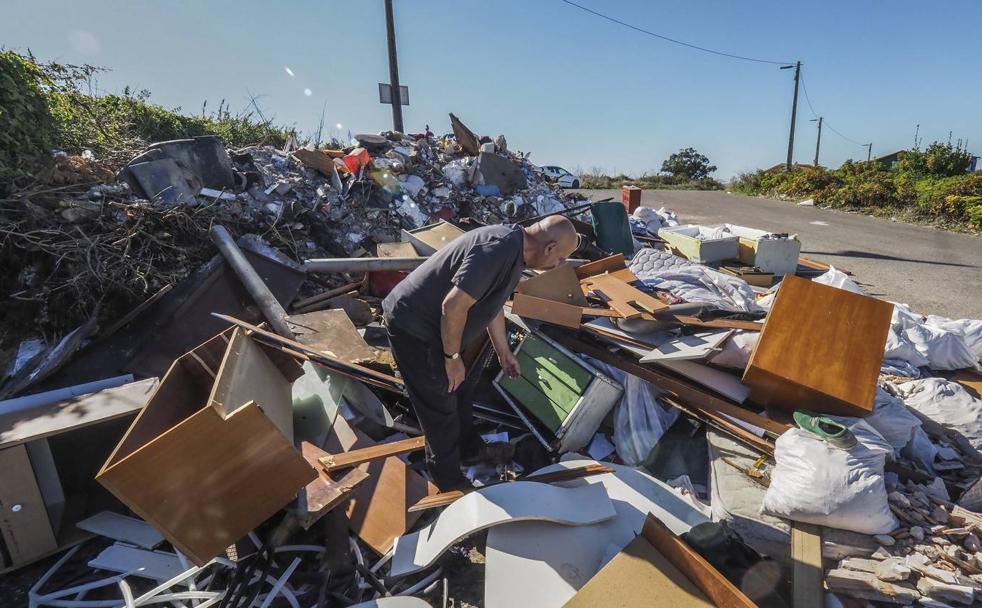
339	265
251	280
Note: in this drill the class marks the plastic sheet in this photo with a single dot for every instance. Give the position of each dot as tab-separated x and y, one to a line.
697	283
947	403
817	483
736	350
937	348
640	419
969	329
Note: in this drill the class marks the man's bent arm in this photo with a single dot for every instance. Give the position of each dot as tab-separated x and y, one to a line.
455	307
497	332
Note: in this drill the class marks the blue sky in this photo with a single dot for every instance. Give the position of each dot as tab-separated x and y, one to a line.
567	86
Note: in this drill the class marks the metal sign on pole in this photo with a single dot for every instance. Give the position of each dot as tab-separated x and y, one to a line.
385	93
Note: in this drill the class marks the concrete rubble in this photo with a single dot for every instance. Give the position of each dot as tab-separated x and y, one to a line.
203	410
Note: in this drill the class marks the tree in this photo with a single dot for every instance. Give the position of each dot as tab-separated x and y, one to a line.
941	160
688	163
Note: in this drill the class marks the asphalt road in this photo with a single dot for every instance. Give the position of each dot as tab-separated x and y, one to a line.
934	271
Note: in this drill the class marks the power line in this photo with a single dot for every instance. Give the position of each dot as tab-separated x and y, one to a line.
825	121
672	40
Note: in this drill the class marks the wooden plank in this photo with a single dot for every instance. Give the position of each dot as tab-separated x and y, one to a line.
301	351
324	493
377	511
609	264
430	239
625	299
24	523
718	323
639	576
333	462
559	285
549	311
248	375
400	249
865	585
331	332
75	413
820	349
703	575
806	558
209	480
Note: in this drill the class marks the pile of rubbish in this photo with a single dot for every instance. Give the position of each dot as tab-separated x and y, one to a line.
703	417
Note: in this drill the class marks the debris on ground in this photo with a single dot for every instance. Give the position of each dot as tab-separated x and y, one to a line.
199	404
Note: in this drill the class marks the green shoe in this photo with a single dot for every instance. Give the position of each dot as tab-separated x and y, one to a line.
830	431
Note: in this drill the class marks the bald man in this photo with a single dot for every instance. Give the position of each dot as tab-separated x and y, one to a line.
445	305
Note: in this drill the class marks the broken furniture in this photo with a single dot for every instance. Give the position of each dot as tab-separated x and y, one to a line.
701	244
430	239
543	565
560	396
774	253
504	503
820	350
49	453
211	455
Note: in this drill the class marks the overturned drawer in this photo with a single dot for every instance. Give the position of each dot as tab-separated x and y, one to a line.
211	455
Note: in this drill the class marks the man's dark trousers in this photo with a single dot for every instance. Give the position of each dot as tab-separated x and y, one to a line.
446	418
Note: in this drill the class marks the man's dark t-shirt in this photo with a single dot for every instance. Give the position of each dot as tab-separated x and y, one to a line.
486	263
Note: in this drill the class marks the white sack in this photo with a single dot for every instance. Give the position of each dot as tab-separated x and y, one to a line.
892	420
816	483
697	283
947	403
969	329
938	348
839	279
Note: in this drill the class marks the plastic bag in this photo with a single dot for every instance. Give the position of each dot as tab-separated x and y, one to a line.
837	278
817	483
947	403
640	420
736	350
457	171
648	218
969	329
891	419
938	348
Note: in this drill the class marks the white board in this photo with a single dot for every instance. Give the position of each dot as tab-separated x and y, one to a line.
543	565
120	527
498	504
698	345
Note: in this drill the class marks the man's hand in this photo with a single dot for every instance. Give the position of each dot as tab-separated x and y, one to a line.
455	373
509	364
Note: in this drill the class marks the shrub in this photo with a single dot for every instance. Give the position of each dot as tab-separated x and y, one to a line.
26	128
939	160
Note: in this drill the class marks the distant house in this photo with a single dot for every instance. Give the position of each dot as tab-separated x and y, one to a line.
890	160
975	166
782	166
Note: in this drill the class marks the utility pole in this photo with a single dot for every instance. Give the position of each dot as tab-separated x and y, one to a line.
390	30
869	151
794	109
818	142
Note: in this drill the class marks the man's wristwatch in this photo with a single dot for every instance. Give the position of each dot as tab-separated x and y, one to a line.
453	356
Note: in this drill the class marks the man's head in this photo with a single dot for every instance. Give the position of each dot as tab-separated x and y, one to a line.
549	242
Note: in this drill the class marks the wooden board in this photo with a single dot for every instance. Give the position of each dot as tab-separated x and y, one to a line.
378	509
324	493
806	558
558	313
75	413
248	375
559	285
628	301
24	524
208	481
701	573
639	576
430	239
820	350
331	332
612	263
333	462
395	250
972	381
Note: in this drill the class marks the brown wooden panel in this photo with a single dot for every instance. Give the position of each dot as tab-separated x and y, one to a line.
323	494
549	311
208	481
703	575
331	332
559	284
378	510
24	523
609	264
334	462
820	349
624	297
